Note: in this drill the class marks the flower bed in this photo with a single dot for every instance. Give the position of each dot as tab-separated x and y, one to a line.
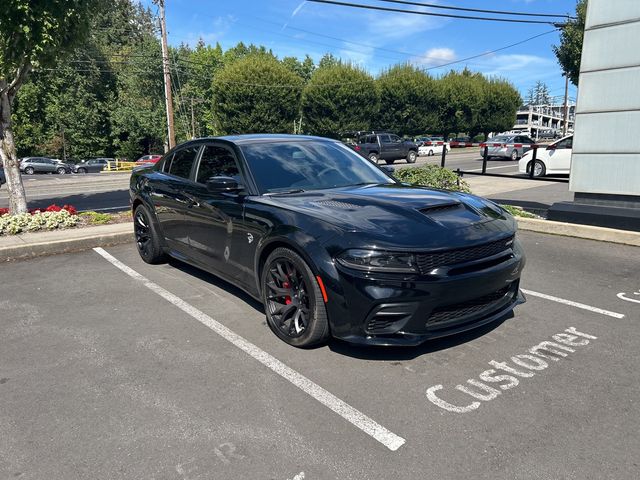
51	218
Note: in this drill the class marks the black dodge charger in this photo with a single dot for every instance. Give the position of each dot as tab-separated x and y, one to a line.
327	241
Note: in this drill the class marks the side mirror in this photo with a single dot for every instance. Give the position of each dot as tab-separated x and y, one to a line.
223	185
388	169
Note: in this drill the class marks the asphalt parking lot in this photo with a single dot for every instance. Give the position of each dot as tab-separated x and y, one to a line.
111	368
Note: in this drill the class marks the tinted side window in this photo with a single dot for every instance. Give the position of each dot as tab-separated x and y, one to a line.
385	139
217	162
395	138
183	161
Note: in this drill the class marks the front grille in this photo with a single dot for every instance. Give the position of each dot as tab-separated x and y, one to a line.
429	261
389	317
470	307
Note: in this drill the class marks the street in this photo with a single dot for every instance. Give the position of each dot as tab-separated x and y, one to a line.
110	191
113	368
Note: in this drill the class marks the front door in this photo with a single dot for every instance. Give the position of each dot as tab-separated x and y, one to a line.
215	221
560	158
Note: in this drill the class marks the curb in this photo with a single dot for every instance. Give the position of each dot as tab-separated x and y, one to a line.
588	232
85	239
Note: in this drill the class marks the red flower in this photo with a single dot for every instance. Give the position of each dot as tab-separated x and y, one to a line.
71	209
3	211
53	208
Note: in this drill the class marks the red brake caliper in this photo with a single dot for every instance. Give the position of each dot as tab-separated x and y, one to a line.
287	299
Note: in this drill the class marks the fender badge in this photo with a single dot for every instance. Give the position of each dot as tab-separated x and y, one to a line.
249	237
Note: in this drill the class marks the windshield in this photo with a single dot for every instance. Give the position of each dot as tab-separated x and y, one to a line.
308	165
500	139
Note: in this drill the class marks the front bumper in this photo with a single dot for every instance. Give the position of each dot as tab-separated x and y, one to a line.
387	310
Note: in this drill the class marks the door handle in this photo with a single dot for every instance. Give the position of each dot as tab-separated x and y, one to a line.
191	201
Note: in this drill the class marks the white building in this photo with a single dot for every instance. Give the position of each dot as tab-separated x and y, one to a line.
605	165
532	119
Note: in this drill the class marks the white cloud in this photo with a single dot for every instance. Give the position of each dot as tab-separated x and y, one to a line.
435	56
506	65
400	25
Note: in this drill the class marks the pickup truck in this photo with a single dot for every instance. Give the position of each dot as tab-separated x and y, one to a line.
385	146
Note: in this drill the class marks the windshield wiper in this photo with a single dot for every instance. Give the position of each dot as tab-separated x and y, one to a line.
286	192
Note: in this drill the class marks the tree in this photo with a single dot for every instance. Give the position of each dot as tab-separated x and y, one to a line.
408	101
339	98
500	102
256	94
32	33
569	52
303	69
461	101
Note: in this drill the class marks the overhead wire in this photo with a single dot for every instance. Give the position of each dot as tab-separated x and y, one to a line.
432	14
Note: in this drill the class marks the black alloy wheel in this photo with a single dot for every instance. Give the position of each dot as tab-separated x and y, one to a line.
146	237
292	299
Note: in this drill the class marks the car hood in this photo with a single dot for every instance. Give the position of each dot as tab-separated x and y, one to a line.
397	215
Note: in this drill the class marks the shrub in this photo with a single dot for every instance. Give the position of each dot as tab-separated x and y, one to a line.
432	176
31	222
96	218
518	212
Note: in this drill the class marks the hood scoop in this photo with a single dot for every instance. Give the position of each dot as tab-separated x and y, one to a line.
437	209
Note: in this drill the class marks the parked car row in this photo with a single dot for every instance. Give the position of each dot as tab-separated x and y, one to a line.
384	146
33	165
513	146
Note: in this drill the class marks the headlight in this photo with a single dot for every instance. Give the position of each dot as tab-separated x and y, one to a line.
375	261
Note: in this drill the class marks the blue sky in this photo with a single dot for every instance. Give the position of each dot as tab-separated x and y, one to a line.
376	40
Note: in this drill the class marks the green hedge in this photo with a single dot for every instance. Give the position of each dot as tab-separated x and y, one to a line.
432	176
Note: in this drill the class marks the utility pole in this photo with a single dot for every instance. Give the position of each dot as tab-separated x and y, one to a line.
565	126
167	75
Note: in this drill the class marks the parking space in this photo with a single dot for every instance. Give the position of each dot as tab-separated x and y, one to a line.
113	373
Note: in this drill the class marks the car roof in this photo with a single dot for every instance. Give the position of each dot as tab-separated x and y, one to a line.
263	138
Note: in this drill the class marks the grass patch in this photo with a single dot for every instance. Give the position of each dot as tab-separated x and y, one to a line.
518	211
96	218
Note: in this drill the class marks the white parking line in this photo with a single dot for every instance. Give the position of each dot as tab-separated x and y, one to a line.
573	304
346	411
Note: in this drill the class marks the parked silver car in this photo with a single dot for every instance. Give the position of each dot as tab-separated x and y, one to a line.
31	165
512	146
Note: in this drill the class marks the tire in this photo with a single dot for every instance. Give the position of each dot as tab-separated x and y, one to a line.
374	158
539	169
147	238
514	155
430	154
82	170
412	156
299	318
61	171
29	171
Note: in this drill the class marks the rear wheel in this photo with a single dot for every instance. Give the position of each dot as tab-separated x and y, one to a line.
411	156
82	170
514	155
147	239
374	158
293	302
61	171
430	154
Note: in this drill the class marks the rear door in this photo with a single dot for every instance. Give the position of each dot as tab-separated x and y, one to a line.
168	194
215	221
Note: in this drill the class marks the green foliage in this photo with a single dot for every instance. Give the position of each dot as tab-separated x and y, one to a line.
432	176
499	103
518	212
569	52
339	98
256	94
461	101
97	218
408	101
303	69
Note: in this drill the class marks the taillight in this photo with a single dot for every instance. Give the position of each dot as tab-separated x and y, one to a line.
357	148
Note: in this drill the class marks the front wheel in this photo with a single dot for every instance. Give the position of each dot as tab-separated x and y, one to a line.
82	170
293	302
29	171
374	158
61	171
411	156
147	239
514	155
430	154
539	169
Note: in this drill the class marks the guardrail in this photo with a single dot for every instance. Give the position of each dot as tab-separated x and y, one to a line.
119	166
485	156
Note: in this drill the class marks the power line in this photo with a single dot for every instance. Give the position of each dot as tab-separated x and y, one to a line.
477	10
431	14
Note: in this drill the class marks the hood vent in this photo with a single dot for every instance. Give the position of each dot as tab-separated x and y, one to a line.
337	204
